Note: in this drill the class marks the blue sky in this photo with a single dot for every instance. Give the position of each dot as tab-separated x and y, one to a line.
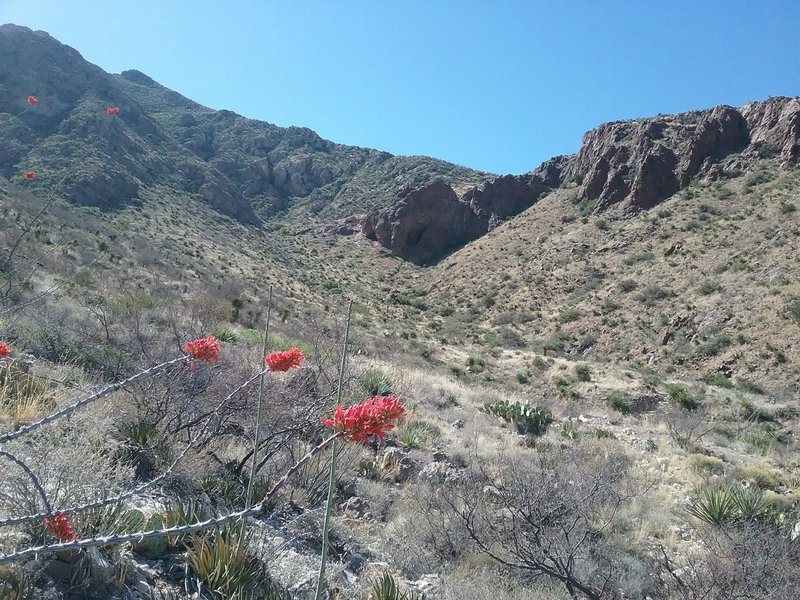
493	85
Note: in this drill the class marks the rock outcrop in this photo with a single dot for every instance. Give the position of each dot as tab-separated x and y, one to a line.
626	165
424	224
633	165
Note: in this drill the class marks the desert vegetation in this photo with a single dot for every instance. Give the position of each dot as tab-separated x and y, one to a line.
574	405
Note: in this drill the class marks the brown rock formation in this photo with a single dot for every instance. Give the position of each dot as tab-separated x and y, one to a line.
422	225
633	165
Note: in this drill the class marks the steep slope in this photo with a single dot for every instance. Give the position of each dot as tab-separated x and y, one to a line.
241	167
705	283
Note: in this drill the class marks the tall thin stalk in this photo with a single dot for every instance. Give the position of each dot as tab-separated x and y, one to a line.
332	479
257	437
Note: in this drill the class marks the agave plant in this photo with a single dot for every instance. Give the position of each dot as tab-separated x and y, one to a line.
385	588
223	568
375	383
715	505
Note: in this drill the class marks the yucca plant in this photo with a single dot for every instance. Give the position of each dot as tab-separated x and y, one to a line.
415	435
385	588
749	502
715	505
375	383
223	568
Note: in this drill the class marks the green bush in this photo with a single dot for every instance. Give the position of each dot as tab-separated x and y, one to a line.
715	505
703	463
680	395
569	315
527	419
385	588
761	475
583	372
619	401
719	380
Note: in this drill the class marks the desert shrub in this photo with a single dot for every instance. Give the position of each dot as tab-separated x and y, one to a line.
715	505
708	286
749	386
568	537
638	258
226	334
569	315
725	502
416	434
715	345
522	378
627	285
764	437
761	475
652	294
528	419
583	372
792	309
719	380
228	571
703	463
680	396
619	401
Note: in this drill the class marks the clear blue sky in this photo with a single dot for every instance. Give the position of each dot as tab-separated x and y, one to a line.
494	85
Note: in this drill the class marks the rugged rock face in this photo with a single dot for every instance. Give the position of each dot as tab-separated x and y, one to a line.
627	165
422	225
633	165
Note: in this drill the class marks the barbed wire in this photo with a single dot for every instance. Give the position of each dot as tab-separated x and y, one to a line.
104	391
263	508
143	487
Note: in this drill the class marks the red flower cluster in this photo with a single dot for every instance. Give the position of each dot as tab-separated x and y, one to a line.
111	111
58	526
33	100
283	361
5	350
203	349
374	416
29	174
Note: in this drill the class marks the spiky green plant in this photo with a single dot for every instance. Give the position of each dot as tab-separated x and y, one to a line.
715	505
223	568
386	588
375	383
415	435
749	502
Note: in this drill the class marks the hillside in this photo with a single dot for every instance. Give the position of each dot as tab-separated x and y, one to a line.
599	359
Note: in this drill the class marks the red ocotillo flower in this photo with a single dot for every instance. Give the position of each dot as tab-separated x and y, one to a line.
111	111
283	361
5	350
33	100
29	174
373	416
203	349
58	526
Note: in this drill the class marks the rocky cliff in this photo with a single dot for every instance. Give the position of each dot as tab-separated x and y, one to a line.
423	224
627	166
633	165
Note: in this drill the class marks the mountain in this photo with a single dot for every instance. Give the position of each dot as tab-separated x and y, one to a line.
607	345
244	168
